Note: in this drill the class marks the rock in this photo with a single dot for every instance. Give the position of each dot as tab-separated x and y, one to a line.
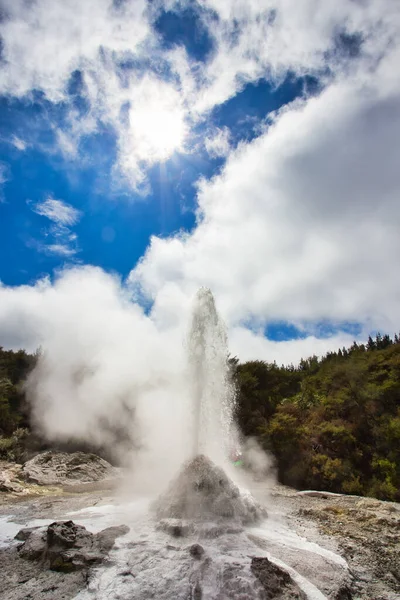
106	538
203	492
318	494
70	547
24	579
65	546
35	545
196	550
10	487
10	481
276	582
344	593
196	593
58	468
23	534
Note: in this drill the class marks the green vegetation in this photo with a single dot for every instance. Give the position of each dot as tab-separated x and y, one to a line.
333	423
14	367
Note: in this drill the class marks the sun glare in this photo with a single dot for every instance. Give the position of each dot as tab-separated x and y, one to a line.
157	122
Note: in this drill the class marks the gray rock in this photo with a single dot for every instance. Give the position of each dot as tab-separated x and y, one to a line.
23	534
35	545
105	539
196	550
59	468
66	547
27	579
276	582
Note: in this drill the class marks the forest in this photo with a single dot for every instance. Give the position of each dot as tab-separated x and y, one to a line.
331	423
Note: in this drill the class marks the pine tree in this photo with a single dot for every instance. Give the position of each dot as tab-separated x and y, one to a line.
371	344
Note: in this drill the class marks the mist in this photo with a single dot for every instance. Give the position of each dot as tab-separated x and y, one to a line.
110	376
106	375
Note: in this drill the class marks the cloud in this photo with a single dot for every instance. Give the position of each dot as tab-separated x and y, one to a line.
301	225
125	70
63	216
59	249
248	345
217	145
269	39
58	211
45	42
295	213
5	173
19	143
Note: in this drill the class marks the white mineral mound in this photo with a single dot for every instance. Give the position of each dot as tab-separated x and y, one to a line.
203	492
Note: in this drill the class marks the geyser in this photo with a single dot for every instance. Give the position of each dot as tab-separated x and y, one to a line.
212	391
202	491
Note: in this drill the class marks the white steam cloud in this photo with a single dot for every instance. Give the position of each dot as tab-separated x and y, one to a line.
105	375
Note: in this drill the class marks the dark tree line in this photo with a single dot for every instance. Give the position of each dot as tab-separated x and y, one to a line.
14	368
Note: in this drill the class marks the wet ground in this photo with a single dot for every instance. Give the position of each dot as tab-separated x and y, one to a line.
335	547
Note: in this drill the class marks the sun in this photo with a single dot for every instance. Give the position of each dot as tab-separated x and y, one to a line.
157	121
159	132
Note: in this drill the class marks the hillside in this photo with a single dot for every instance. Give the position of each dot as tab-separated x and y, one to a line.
333	423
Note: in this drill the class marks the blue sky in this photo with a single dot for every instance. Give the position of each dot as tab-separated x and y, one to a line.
249	148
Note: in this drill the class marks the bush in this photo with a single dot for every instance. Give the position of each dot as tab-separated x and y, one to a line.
13	448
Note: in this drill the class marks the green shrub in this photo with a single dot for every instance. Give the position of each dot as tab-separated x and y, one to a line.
12	448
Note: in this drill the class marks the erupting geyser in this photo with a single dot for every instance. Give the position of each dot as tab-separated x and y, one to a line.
212	391
202	491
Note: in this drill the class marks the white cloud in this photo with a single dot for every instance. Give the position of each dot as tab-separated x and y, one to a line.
268	39
19	143
4	173
45	42
217	144
58	211
60	240
59	250
302	224
248	345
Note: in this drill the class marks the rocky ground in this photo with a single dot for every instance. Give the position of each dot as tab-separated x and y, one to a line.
53	561
55	472
365	531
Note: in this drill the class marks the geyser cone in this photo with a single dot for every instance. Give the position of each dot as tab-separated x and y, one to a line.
203	492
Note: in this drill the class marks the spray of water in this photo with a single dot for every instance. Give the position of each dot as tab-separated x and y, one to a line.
211	390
